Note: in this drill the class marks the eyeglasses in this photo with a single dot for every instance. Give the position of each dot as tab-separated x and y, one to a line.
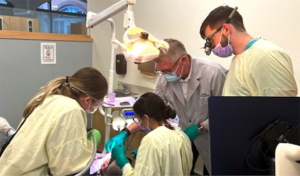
214	33
136	120
169	71
99	103
208	44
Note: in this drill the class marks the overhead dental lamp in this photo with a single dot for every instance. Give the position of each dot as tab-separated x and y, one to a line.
138	45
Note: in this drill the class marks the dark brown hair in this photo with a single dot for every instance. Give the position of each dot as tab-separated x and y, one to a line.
218	17
152	105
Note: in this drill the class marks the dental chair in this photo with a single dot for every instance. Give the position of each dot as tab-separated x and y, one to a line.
286	157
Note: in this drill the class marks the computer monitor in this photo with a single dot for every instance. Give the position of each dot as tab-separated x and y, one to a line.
233	124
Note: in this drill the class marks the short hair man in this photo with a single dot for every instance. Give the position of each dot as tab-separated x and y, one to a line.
259	67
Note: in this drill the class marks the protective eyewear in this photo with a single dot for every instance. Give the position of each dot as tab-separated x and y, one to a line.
136	120
208	41
169	71
99	103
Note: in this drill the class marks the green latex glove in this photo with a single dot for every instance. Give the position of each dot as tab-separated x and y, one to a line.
118	153
192	131
97	135
116	140
134	153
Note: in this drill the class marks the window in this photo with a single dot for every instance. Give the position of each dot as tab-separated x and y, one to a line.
30	27
71	9
1	21
45	6
56	16
3	2
68	6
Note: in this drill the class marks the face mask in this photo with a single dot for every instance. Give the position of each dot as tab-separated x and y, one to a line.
145	129
94	108
173	77
221	51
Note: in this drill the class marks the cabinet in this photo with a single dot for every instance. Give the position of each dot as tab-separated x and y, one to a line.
15	23
4	22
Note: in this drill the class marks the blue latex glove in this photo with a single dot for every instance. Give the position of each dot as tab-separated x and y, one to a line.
116	140
97	135
134	153
192	131
118	153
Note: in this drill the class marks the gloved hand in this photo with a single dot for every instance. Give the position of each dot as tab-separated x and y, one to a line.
134	153
97	135
192	131
4	126
118	153
116	140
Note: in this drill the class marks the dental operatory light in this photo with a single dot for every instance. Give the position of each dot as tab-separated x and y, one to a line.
138	45
207	46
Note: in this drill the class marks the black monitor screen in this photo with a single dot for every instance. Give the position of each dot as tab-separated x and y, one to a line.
235	121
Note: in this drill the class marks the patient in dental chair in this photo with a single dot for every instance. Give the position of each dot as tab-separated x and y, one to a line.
112	169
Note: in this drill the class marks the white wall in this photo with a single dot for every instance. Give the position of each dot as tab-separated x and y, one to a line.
275	20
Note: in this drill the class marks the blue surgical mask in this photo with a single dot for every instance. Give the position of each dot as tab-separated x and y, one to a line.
173	77
221	51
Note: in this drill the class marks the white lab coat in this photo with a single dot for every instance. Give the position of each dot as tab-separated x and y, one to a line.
207	79
53	138
262	70
162	152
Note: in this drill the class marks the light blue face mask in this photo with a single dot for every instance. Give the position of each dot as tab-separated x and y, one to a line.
173	77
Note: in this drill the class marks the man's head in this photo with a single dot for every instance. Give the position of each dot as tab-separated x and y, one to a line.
218	17
175	62
215	24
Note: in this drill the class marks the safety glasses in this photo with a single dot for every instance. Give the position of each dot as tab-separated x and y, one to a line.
208	41
169	70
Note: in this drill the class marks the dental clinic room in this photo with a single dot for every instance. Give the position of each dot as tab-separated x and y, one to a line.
149	87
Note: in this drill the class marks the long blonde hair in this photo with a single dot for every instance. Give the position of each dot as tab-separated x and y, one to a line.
86	81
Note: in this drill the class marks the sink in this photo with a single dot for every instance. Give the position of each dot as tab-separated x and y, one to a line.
121	93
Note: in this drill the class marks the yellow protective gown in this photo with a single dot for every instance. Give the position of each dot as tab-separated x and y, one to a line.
262	70
52	139
162	152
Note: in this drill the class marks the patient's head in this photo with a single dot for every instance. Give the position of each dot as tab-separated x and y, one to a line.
112	169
